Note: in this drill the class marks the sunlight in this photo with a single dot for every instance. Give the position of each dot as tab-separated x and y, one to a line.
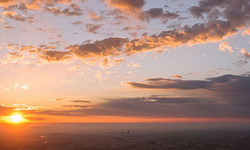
17	118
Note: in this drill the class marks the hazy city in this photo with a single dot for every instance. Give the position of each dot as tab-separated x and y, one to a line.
152	136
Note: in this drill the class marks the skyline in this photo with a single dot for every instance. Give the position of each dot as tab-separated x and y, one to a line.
125	60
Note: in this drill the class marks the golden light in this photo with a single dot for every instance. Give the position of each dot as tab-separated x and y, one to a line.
16	118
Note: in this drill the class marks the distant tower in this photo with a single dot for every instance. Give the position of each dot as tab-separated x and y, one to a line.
128	132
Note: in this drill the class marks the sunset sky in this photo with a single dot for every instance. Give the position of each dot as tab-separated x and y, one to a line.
124	60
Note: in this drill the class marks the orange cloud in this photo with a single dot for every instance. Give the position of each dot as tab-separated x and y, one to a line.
67	11
107	47
177	76
95	17
225	46
37	4
17	17
213	31
134	65
55	56
129	6
245	53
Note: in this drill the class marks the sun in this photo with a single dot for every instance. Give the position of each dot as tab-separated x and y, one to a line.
16	118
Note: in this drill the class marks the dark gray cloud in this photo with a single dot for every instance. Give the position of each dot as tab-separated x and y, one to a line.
162	83
158	13
127	28
221	83
158	106
92	28
77	22
118	16
74	106
79	101
206	6
237	12
226	97
155	106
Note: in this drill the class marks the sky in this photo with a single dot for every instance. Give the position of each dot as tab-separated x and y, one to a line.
89	61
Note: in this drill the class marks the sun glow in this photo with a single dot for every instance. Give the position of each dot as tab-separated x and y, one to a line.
16	118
